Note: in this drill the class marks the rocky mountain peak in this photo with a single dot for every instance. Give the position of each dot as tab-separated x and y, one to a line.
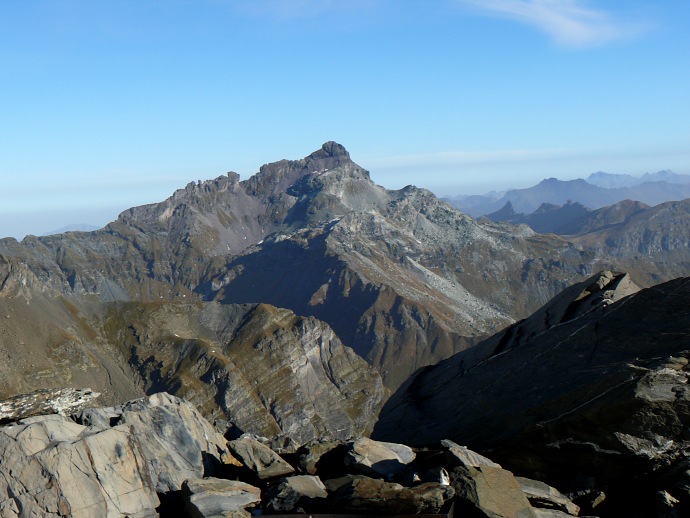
275	178
330	150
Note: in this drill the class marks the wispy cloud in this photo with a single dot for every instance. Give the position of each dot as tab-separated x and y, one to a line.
571	23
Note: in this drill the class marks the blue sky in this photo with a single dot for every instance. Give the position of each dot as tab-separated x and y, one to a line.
106	105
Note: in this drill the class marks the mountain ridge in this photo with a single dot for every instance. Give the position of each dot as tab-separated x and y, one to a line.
397	276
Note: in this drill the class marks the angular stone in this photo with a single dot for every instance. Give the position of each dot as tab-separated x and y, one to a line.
263	461
324	457
288	494
103	417
377	458
358	493
543	495
551	513
215	497
491	490
465	456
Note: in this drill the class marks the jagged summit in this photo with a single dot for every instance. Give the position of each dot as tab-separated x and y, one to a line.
330	149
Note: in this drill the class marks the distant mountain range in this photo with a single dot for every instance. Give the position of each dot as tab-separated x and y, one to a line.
599	190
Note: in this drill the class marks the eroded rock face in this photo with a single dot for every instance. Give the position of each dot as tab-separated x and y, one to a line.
264	369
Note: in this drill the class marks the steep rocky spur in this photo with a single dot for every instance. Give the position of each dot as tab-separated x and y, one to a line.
591	392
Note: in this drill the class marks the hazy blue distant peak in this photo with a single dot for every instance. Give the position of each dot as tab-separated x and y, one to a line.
612	181
665	175
616	181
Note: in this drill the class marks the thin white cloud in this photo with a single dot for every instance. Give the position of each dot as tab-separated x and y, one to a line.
570	23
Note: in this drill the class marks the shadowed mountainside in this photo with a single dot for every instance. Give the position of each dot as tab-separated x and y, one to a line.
591	387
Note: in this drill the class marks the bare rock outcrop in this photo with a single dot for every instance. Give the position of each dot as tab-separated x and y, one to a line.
48	401
176	441
52	466
260	459
215	498
264	369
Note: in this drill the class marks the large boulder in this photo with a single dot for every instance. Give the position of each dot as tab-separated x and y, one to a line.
358	493
291	493
176	441
216	498
260	459
492	491
52	466
378	459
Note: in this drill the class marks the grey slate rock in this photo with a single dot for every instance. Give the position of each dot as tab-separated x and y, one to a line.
177	442
542	495
52	466
260	459
302	491
216	498
358	493
376	458
492	491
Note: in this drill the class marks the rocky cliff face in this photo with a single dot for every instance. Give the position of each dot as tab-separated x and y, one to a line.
263	369
593	387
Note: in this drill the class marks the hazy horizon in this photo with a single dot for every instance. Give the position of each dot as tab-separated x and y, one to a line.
41	223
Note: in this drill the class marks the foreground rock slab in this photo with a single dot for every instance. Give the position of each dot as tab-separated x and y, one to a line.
492	491
377	458
177	442
260	459
359	493
215	497
54	467
543	495
302	491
